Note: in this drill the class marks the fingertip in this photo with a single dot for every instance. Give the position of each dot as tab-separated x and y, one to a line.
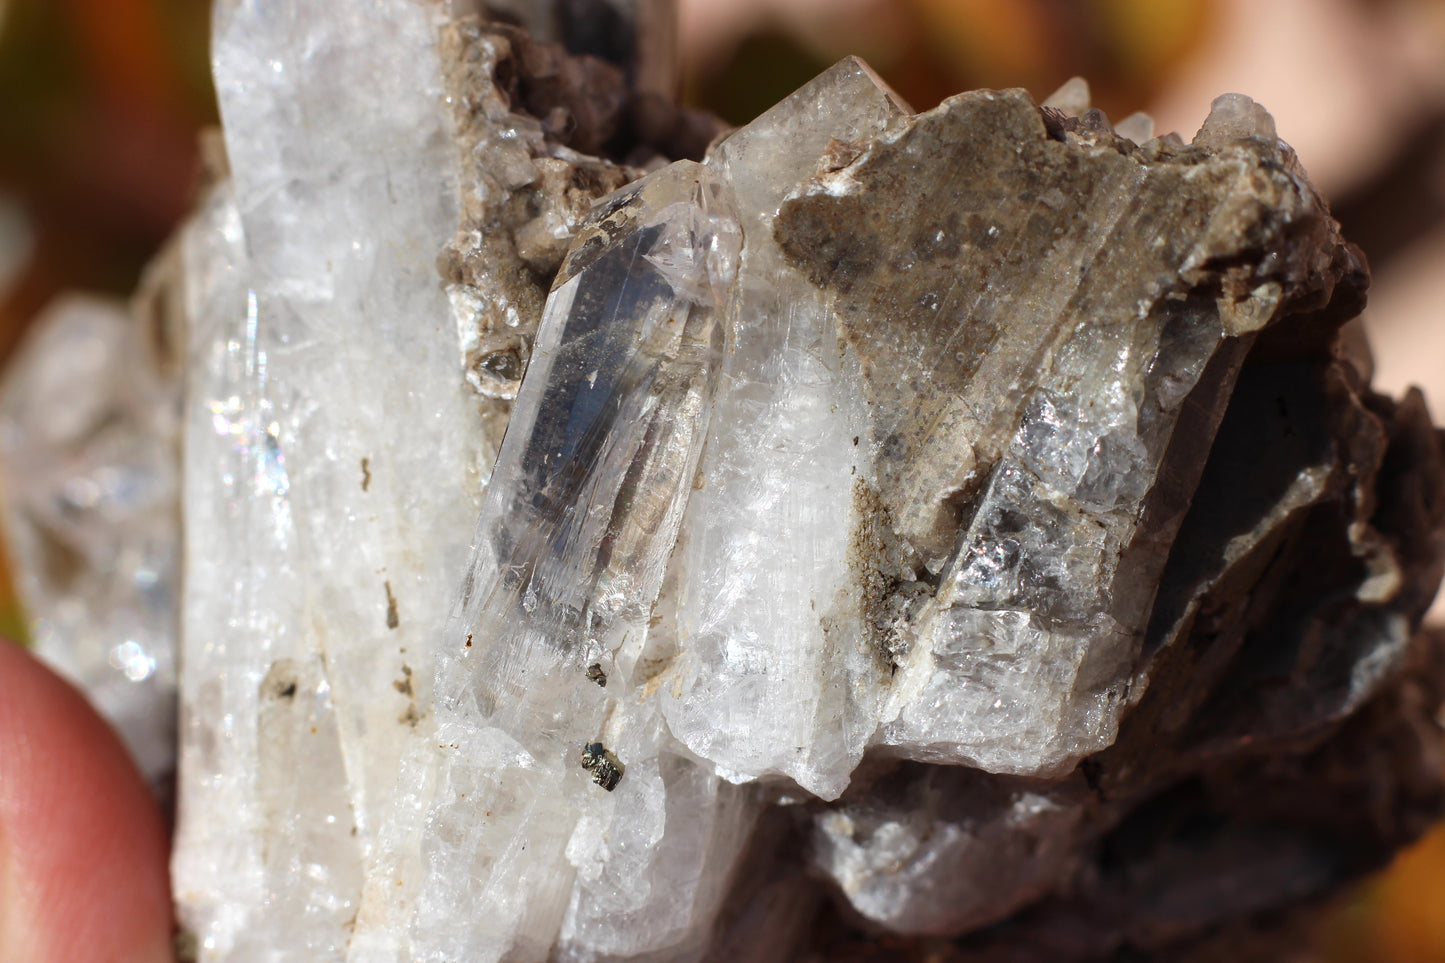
83	847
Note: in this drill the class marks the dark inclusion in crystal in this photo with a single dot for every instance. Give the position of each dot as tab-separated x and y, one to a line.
607	770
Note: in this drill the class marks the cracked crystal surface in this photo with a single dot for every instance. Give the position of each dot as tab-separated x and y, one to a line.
581	516
769	672
315	539
902	518
1022	660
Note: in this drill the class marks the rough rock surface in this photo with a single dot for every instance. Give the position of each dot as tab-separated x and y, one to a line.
966	535
534	127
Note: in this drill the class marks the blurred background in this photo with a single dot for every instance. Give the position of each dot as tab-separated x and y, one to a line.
101	101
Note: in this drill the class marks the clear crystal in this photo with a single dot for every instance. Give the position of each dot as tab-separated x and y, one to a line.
770	674
581	516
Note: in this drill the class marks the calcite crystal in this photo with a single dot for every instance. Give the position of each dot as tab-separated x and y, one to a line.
967	533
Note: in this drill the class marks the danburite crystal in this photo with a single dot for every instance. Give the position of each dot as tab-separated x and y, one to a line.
581	515
1115	276
852	551
88	424
320	548
768	670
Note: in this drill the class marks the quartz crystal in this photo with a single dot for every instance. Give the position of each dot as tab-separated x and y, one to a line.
827	542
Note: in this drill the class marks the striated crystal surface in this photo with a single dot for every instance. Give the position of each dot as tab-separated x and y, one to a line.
320	545
572	546
587	495
964	533
767	669
1038	510
959	420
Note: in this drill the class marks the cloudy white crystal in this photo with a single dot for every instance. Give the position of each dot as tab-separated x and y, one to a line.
320	549
88	435
772	674
753	517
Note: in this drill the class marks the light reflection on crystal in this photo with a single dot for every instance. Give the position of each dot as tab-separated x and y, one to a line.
581	517
704	498
88	474
133	660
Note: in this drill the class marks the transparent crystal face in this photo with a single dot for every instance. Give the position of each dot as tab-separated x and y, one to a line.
843	469
573	543
593	476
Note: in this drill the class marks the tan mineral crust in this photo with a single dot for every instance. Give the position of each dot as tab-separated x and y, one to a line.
966	535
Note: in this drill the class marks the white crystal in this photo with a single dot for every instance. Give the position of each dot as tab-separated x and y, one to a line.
1073	97
88	426
321	551
1232	118
771	674
1138	127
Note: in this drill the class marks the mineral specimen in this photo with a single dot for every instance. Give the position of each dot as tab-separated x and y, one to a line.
88	468
970	530
581	515
313	536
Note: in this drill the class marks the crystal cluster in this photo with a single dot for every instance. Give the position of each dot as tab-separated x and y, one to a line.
887	525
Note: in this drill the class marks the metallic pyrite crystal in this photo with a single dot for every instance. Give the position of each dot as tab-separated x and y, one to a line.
969	531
